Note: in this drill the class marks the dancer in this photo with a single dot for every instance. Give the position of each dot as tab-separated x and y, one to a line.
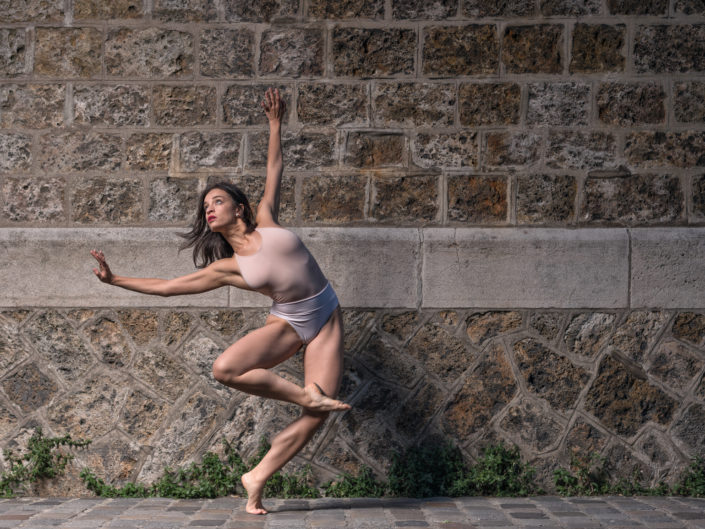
232	248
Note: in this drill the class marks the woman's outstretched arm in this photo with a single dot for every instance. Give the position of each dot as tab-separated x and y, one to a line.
268	209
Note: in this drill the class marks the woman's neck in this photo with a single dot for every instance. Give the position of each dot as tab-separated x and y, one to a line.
237	236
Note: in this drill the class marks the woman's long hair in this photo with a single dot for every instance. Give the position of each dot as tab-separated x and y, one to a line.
207	245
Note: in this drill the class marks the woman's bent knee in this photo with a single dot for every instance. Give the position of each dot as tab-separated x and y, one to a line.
223	372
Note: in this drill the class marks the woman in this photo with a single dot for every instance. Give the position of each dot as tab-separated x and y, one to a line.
258	254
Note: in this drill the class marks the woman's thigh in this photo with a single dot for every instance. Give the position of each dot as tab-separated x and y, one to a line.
323	361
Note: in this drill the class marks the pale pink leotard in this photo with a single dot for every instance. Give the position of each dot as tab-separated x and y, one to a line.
285	270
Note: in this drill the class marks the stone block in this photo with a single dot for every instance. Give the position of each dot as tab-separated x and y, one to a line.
13	51
365	52
541	267
148	53
142	415
63	254
530	425
368	150
391	365
597	48
336	9
401	325
185	11
689	430
689	7
414	104
332	104
627	104
558	104
141	325
503	8
587	333
418	411
637	7
109	342
481	327
333	199
677	250
450	51
632	199
111	105
689	326
105	200
689	102
424	10
29	199
442	354
547	324
477	199
17	152
31	11
454	149
34	106
216	151
304	150
227	53
571	8
405	199
238	11
68	52
533	49
184	106
635	337
97	9
241	104
672	149
173	199
291	52
584	438
489	104
511	149
149	151
699	195
79	151
200	352
623	400
545	198
580	150
670	48
675	364
29	388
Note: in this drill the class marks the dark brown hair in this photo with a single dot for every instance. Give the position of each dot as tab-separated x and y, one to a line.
207	245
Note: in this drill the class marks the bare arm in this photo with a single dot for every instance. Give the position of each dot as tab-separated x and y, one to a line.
268	209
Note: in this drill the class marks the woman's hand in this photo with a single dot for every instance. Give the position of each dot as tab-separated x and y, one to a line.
274	106
104	274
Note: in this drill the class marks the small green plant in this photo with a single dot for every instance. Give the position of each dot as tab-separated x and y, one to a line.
363	485
692	481
586	477
41	460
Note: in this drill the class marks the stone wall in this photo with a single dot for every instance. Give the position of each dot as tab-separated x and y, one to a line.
509	197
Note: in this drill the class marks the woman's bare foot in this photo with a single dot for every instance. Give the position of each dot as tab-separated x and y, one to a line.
320	402
254	494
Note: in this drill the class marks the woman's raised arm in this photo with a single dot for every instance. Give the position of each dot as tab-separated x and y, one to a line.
268	209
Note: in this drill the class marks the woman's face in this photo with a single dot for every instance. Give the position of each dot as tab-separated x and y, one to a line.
220	209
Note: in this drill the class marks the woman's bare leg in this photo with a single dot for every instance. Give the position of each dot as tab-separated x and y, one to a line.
323	367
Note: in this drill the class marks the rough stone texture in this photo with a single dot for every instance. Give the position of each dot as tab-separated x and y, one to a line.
203	150
584	438
489	104
13	349
418	410
689	102
440	353
637	7
558	104
484	326
200	351
68	52
637	334
413	104
635	199
176	106
226	53
676	149
332	104
623	399
689	430
333	199
172	199
588	332
31	11
97	9
29	388
79	151
140	325
544	198
16	149
400	325
501	8
111	105
487	389
405	199
388	363
670	49
362	52
699	195
104	200
570	7
547	324
266	11
549	375
304	150
368	150
13	50
580	150
530	425
689	326
241	104
460	50
511	149
452	150
597	48
185	10
689	7
34	200
322	9
675	364
533	49
108	341
161	372
148	53
474	198
291	52
149	151
34	106
627	104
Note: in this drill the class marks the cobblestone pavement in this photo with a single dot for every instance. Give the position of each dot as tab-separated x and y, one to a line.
447	513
